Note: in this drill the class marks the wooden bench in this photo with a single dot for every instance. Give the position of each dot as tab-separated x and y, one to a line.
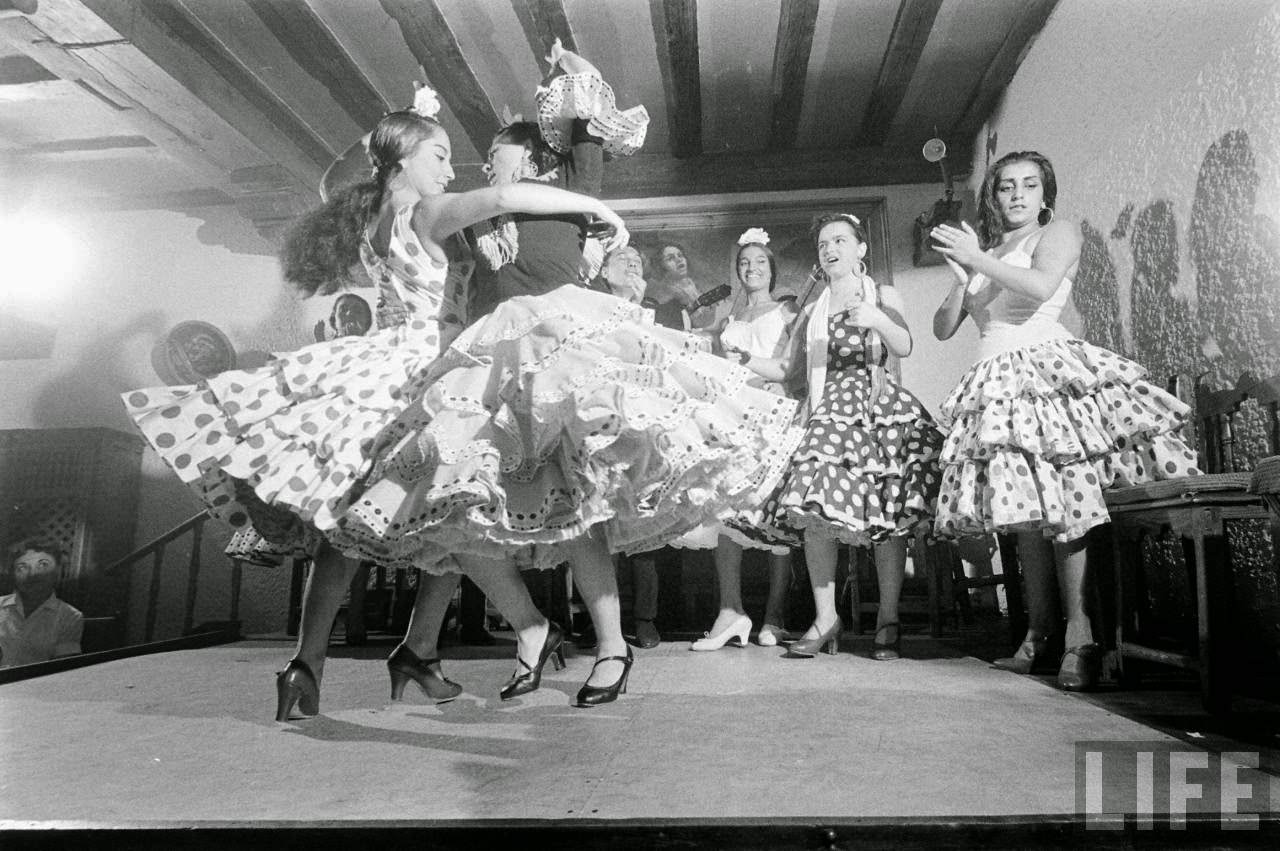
1195	509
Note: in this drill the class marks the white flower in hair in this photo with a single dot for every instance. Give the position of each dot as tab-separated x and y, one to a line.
759	236
425	101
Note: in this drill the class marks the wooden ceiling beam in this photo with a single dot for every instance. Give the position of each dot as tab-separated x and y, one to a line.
543	21
675	32
791	68
317	51
652	175
431	41
911	30
1004	65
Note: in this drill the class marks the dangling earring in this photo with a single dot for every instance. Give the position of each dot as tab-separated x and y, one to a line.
862	268
1049	210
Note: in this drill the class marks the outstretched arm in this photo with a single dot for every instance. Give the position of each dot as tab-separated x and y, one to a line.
436	217
1056	254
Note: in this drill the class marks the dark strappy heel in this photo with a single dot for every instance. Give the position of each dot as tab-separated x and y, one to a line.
552	648
404	665
596	695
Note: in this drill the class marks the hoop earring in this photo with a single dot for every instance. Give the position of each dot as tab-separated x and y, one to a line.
1048	210
862	268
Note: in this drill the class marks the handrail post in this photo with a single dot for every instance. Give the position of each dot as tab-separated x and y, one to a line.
193	577
153	599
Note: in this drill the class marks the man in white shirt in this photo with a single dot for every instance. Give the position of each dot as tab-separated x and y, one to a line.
35	626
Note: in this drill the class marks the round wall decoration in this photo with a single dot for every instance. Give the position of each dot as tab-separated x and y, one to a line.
192	351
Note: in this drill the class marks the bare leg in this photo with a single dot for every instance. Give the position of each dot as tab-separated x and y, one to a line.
729	575
1035	556
330	576
891	567
1070	559
429	608
500	581
820	555
598	584
775	608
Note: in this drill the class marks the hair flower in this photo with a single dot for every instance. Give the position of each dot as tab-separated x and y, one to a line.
425	102
757	236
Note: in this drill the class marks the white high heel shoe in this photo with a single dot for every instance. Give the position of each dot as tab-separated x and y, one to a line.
772	636
739	629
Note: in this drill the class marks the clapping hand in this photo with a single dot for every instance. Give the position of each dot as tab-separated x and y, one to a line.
957	243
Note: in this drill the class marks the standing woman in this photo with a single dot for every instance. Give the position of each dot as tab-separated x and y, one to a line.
758	327
1043	422
866	471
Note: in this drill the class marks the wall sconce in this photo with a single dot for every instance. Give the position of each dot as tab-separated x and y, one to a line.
945	209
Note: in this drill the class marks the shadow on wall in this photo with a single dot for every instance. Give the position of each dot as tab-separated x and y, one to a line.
88	392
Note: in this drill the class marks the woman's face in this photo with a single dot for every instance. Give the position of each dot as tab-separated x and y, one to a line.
674	262
428	169
753	269
839	249
1019	194
624	273
505	163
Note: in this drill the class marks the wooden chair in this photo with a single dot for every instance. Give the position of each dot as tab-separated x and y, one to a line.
1195	509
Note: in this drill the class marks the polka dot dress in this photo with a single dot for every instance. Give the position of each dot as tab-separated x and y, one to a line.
867	468
1037	433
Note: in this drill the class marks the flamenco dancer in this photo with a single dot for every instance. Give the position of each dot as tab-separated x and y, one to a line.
866	471
288	445
757	328
1043	422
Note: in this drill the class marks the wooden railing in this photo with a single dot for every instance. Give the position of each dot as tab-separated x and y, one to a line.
156	549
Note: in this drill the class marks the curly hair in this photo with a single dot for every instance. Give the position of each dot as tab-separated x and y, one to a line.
990	222
322	246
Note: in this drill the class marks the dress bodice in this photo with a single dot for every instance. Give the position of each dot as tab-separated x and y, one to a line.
1009	320
847	347
409	282
764	337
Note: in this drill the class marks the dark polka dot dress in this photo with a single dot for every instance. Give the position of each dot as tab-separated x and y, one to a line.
866	468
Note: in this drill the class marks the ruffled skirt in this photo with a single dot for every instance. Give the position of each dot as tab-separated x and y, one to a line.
1038	433
865	471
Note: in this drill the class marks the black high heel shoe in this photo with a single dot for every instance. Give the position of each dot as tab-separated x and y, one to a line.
404	665
883	652
552	648
296	685
1081	668
596	695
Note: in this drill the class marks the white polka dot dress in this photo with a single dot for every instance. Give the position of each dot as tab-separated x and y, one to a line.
1043	423
867	468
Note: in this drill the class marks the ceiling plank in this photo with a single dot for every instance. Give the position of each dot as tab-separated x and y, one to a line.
95	143
790	69
318	52
1004	65
910	33
431	41
544	21
652	175
675	32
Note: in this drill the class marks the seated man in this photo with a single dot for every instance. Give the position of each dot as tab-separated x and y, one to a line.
35	626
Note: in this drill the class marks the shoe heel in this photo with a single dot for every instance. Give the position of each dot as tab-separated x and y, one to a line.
398	682
296	686
286	697
557	659
832	647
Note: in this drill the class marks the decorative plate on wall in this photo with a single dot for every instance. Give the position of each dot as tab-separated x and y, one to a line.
191	351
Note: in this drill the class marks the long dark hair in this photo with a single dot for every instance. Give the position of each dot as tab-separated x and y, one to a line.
660	269
768	253
990	222
322	246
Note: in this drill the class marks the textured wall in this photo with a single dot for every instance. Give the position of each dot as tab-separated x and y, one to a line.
1163	122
